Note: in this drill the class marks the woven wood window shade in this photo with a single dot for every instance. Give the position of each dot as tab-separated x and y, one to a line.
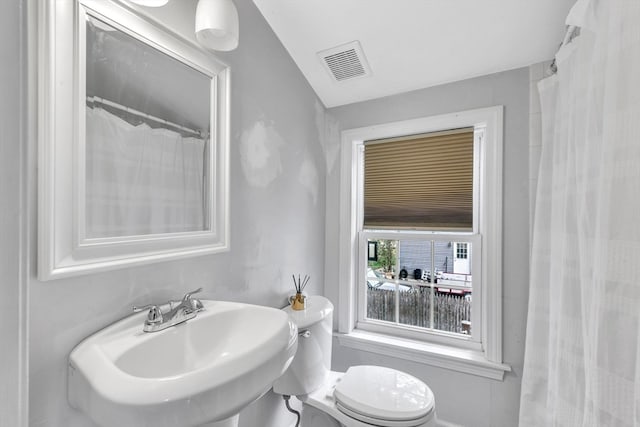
420	181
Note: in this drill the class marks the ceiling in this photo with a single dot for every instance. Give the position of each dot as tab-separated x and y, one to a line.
413	44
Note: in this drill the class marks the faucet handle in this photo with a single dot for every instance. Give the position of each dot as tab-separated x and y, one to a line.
154	315
197	305
187	296
193	303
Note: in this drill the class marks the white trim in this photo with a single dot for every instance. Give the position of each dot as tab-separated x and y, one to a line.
348	231
15	409
489	221
63	249
442	423
28	163
443	356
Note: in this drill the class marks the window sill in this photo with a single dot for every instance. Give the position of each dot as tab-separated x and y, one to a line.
459	360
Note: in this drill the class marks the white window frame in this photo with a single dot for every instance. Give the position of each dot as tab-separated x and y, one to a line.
482	354
471	342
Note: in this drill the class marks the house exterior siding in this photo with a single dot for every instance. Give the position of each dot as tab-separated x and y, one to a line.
417	254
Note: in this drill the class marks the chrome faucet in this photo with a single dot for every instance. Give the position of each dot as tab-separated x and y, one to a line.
179	311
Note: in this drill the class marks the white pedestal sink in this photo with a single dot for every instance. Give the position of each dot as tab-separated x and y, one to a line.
202	371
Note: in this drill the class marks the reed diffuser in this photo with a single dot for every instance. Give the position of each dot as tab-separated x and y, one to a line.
298	301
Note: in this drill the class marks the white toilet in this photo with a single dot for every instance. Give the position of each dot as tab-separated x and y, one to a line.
364	396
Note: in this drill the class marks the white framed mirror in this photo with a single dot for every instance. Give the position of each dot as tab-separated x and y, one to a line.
133	141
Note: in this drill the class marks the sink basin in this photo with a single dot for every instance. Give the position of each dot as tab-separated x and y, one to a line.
204	370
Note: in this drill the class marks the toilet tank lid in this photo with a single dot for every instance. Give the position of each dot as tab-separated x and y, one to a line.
316	309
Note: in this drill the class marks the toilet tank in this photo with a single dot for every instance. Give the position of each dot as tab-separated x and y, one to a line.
312	361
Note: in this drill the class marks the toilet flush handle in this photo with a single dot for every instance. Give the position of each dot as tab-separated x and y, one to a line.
305	333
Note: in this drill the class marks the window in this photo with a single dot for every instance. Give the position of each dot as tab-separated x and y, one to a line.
414	288
462	251
426	194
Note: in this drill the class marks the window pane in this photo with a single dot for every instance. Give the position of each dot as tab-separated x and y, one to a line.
419	295
415	304
381	304
381	283
453	289
420	181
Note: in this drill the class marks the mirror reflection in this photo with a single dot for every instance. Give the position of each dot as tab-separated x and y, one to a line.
148	125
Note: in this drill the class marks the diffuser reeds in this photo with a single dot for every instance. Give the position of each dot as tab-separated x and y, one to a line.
300	283
298	301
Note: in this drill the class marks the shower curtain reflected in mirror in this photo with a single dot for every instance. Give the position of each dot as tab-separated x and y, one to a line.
141	180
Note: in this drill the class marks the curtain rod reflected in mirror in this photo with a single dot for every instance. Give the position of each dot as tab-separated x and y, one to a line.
91	100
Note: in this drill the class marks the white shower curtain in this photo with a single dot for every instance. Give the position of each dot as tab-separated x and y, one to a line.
141	180
582	357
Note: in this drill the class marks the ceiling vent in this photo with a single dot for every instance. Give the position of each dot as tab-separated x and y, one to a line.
346	61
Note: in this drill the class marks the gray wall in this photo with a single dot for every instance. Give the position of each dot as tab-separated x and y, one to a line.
463	399
277	223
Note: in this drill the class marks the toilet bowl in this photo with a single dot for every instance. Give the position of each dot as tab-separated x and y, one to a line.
363	396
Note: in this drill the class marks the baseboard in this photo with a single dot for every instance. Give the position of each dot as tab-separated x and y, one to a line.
439	423
443	423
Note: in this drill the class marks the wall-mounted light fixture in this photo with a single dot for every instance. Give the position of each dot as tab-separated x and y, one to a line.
217	25
150	3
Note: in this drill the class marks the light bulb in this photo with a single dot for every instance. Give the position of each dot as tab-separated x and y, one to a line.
217	25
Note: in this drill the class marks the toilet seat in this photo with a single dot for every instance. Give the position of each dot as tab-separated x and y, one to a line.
384	397
384	423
